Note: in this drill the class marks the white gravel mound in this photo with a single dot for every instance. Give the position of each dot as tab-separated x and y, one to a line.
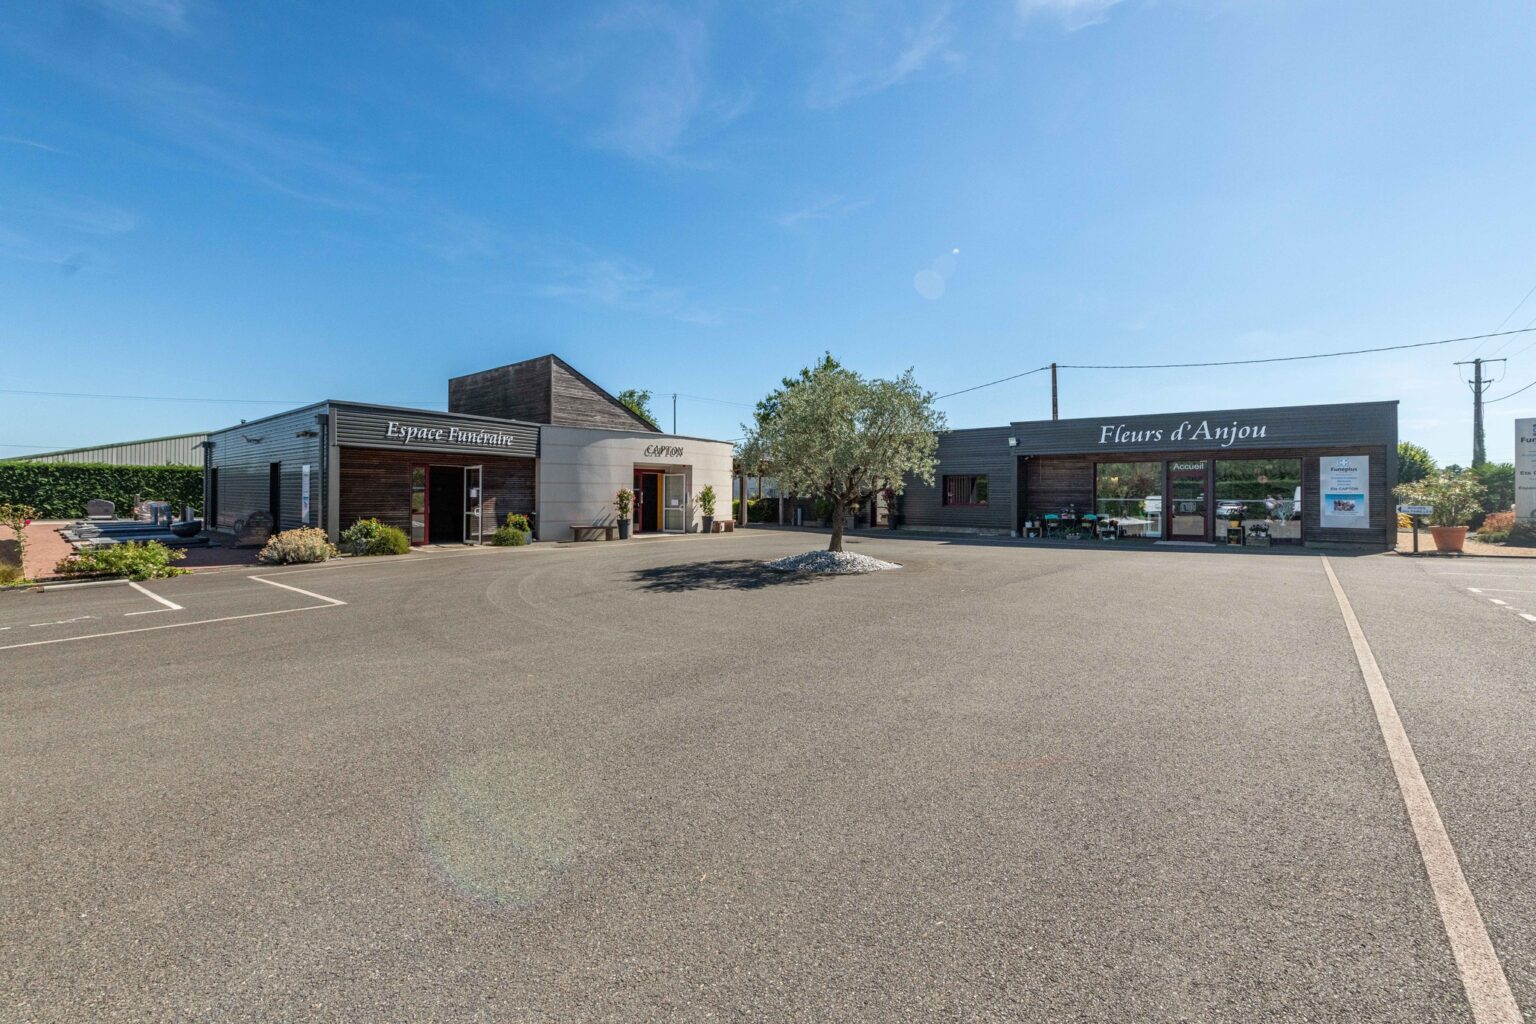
836	562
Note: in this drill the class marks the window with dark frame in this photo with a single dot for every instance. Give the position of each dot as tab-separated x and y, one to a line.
963	491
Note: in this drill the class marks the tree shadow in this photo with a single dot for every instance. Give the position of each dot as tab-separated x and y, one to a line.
730	574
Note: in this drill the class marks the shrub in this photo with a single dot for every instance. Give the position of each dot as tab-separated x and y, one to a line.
371	537
305	544
10	572
1454	498
147	561
59	490
1522	534
16	517
707	501
514	533
1496	527
1413	463
622	500
1404	521
1498	480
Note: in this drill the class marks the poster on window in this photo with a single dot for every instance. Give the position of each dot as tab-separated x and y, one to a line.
1344	487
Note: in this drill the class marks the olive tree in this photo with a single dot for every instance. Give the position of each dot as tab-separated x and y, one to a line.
841	436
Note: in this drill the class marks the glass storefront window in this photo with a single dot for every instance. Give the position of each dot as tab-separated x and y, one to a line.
418	504
1131	492
1260	492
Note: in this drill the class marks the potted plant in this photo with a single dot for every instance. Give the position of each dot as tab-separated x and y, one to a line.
622	502
707	507
1453	500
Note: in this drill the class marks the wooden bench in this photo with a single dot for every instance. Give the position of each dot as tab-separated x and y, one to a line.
591	532
725	526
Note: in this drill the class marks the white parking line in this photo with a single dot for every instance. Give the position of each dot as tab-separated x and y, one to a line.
1527	616
1482	976
330	602
170	606
296	590
1499	590
1497	601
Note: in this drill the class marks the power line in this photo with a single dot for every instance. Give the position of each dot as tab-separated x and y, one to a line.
1512	394
1511	313
1288	359
1001	380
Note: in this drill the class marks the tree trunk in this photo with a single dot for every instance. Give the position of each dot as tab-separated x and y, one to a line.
839	517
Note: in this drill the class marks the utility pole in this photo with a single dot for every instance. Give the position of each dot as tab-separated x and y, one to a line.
1053	392
1479	388
674	414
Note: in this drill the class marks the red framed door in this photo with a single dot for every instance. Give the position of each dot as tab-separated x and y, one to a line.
419	509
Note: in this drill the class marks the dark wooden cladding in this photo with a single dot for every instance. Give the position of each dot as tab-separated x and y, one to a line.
1052	484
969	452
376	484
543	390
520	391
243	456
577	402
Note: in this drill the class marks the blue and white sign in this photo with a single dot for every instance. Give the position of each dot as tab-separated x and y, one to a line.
1344	491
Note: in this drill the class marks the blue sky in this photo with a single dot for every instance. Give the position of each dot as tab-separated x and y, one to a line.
285	201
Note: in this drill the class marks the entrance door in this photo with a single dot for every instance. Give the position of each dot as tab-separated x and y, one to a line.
1189	512
674	503
445	505
275	495
472	492
647	502
418	505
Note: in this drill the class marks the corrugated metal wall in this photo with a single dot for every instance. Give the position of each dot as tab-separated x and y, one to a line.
242	457
179	450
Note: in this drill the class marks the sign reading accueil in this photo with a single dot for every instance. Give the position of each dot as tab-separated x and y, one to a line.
1344	489
1525	469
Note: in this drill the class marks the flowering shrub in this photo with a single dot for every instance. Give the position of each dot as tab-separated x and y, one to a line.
371	537
514	533
147	561
1404	521
305	544
1496	527
1455	499
623	500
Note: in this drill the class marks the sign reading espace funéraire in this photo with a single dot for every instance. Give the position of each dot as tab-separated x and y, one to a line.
405	433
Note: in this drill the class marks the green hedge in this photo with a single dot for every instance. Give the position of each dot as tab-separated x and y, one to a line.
59	490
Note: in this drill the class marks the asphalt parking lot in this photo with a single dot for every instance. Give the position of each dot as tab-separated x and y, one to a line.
649	781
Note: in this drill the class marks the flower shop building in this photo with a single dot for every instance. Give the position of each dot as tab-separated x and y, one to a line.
1297	475
534	437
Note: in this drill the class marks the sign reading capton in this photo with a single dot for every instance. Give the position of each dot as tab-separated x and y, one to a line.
663	451
1187	431
405	434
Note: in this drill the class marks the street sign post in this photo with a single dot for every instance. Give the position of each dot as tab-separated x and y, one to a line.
1413	512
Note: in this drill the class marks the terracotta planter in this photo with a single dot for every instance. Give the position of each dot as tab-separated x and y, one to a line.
1448	538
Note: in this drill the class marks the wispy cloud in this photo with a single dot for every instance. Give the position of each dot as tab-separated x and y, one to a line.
170	15
12	140
1071	15
828	209
622	284
78	214
871	52
636	79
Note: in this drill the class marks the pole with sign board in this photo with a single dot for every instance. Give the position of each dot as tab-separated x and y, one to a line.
1414	512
